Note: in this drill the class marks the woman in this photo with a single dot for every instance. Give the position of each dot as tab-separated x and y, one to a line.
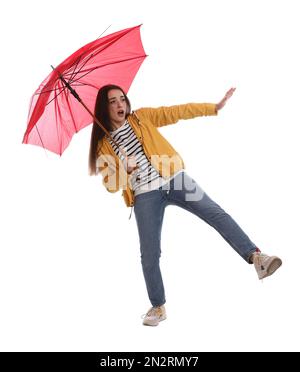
139	160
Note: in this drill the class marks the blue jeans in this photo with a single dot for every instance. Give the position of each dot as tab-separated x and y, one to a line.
184	192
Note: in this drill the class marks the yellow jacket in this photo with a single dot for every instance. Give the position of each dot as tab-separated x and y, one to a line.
158	150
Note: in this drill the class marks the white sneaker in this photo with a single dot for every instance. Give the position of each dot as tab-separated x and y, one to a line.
265	265
154	316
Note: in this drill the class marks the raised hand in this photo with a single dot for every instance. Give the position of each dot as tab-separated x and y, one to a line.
222	103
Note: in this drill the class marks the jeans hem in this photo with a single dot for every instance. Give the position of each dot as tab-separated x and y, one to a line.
250	254
161	304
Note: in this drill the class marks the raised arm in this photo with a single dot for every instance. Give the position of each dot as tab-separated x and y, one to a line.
166	115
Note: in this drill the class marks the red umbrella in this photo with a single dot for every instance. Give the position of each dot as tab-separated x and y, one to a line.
64	102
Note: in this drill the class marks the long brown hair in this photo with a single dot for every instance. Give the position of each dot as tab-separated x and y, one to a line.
101	113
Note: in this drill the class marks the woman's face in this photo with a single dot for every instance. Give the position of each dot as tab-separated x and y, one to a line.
116	107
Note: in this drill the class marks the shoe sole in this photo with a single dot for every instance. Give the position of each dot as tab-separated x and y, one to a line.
154	324
274	265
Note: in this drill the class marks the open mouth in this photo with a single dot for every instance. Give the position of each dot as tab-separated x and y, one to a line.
121	112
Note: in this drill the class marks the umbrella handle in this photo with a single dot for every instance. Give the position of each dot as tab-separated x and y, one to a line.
104	129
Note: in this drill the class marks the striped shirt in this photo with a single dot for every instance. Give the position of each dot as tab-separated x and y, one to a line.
146	177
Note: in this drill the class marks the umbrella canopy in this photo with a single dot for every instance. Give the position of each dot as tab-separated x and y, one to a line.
55	114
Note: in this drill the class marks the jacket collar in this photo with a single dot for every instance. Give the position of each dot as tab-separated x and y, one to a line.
134	122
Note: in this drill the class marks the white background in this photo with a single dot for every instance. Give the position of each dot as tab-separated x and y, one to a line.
70	273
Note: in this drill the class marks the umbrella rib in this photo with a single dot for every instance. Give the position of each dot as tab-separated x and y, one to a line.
107	64
77	72
56	95
77	62
63	88
57	112
45	91
40	137
51	90
78	84
68	103
99	51
88	84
